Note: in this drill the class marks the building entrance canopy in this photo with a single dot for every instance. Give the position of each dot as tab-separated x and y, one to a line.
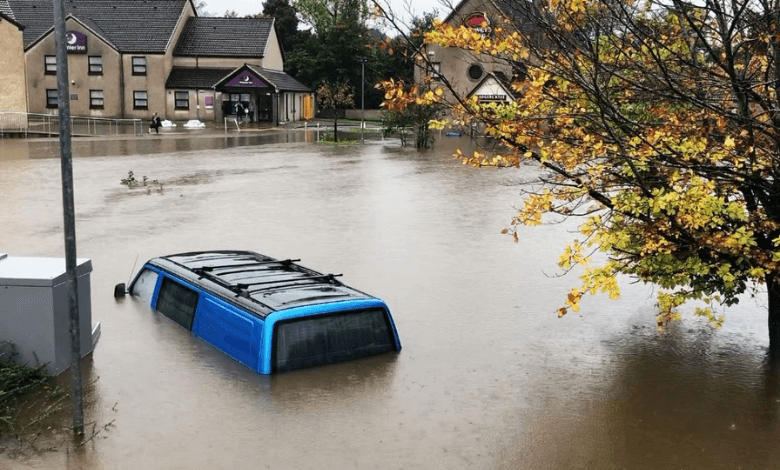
248	91
246	79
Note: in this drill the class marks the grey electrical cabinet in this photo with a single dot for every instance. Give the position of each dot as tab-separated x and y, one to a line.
34	314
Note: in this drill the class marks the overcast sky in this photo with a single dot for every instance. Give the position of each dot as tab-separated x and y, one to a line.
247	7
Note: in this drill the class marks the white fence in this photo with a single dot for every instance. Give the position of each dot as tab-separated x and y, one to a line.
30	124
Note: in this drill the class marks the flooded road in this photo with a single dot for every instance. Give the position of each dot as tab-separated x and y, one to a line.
488	377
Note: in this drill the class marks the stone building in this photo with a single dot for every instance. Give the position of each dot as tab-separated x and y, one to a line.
13	98
130	58
467	73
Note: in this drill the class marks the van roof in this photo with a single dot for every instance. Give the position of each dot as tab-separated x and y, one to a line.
268	284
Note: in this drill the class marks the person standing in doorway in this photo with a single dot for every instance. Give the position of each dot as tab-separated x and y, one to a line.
250	112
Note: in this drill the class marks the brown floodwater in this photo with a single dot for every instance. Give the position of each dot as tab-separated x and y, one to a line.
488	377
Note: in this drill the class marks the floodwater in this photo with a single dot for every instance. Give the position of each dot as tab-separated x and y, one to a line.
488	377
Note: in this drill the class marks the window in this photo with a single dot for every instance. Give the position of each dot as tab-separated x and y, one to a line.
177	302
51	98
230	102
95	65
475	72
96	99
182	99
434	69
144	285
139	65
51	64
327	339
140	99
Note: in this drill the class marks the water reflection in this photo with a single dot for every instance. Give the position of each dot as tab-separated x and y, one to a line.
17	148
678	399
333	387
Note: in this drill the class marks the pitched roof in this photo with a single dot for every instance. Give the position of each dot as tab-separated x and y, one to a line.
454	11
224	37
275	78
516	11
201	78
278	79
9	19
501	80
142	26
5	9
187	77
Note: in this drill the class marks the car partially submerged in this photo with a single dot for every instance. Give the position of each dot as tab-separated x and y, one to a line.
271	315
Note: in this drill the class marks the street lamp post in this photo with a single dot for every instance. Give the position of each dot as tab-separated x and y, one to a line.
362	99
69	214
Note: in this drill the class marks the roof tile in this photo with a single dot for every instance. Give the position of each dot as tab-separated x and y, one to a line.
142	26
224	37
186	77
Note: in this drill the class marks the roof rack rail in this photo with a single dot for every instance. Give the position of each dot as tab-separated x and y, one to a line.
289	282
216	279
216	256
285	262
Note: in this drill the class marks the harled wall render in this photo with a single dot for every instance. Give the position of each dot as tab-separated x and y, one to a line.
13	97
94	76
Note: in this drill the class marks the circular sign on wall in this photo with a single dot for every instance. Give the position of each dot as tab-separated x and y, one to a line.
476	21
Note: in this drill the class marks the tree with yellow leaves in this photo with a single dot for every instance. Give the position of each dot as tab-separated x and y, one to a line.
335	96
658	123
411	106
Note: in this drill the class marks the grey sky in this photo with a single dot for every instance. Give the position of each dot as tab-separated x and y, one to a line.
400	7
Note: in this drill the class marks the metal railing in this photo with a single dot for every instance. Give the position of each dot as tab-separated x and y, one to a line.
48	125
233	120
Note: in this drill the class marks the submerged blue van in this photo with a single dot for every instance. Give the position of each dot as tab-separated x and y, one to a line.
271	315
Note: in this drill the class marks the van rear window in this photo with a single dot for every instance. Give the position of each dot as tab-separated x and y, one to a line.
312	341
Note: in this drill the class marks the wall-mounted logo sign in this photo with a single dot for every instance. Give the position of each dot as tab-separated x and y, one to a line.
476	20
209	101
76	42
247	79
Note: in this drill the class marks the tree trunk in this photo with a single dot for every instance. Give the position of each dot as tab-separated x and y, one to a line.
773	293
336	127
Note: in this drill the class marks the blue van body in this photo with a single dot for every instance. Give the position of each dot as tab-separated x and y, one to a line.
270	315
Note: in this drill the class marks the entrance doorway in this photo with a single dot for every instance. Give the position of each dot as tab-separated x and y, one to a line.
264	108
233	102
257	107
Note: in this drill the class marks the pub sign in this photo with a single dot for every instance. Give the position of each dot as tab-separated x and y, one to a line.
475	22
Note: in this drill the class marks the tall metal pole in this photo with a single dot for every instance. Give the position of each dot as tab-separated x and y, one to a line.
362	99
68	209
